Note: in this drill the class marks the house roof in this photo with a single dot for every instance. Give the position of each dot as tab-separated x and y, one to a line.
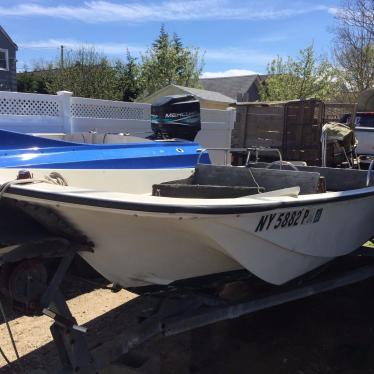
229	86
198	93
207	95
8	37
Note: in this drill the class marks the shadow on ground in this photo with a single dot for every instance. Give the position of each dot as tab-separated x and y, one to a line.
325	334
73	285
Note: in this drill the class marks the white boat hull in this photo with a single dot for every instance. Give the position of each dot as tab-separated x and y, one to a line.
137	246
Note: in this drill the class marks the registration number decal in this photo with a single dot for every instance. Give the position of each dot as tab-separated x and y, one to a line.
292	218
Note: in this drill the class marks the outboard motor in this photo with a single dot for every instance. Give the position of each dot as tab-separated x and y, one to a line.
176	116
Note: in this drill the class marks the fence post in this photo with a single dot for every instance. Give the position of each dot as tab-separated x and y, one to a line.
232	120
65	97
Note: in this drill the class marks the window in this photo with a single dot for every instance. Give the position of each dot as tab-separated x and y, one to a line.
4	61
365	121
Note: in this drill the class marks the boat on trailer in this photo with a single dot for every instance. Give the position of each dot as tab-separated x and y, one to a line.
277	224
109	160
175	124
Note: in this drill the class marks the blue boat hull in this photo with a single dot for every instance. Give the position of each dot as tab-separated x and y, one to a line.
27	151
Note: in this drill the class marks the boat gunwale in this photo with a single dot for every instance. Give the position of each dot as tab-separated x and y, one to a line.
13	191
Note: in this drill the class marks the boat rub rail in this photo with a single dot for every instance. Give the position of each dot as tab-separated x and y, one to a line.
14	191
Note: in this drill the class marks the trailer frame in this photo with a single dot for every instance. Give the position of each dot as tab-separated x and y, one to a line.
179	309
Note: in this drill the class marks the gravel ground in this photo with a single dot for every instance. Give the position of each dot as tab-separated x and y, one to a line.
32	333
331	333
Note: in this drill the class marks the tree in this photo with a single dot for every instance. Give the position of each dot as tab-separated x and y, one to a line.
300	78
168	61
357	13
354	48
86	73
34	81
128	77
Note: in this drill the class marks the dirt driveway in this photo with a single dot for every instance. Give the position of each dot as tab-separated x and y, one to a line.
326	334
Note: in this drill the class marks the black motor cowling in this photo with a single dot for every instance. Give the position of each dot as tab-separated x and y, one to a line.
176	116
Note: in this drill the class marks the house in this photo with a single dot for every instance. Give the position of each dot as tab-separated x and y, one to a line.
208	99
8	49
242	88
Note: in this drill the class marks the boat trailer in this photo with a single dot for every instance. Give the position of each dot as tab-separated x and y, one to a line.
175	309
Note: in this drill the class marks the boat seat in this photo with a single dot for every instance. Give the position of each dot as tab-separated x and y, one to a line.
211	181
176	189
269	179
336	179
102	138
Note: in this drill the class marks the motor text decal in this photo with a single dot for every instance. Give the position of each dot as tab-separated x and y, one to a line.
275	221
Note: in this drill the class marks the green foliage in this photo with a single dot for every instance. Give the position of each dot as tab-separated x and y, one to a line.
88	73
300	78
32	82
128	78
169	62
357	66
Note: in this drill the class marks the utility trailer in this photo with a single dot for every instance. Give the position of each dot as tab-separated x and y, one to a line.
292	127
179	307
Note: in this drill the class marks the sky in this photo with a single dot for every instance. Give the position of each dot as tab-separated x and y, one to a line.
237	37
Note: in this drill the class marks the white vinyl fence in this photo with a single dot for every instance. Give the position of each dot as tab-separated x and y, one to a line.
63	113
